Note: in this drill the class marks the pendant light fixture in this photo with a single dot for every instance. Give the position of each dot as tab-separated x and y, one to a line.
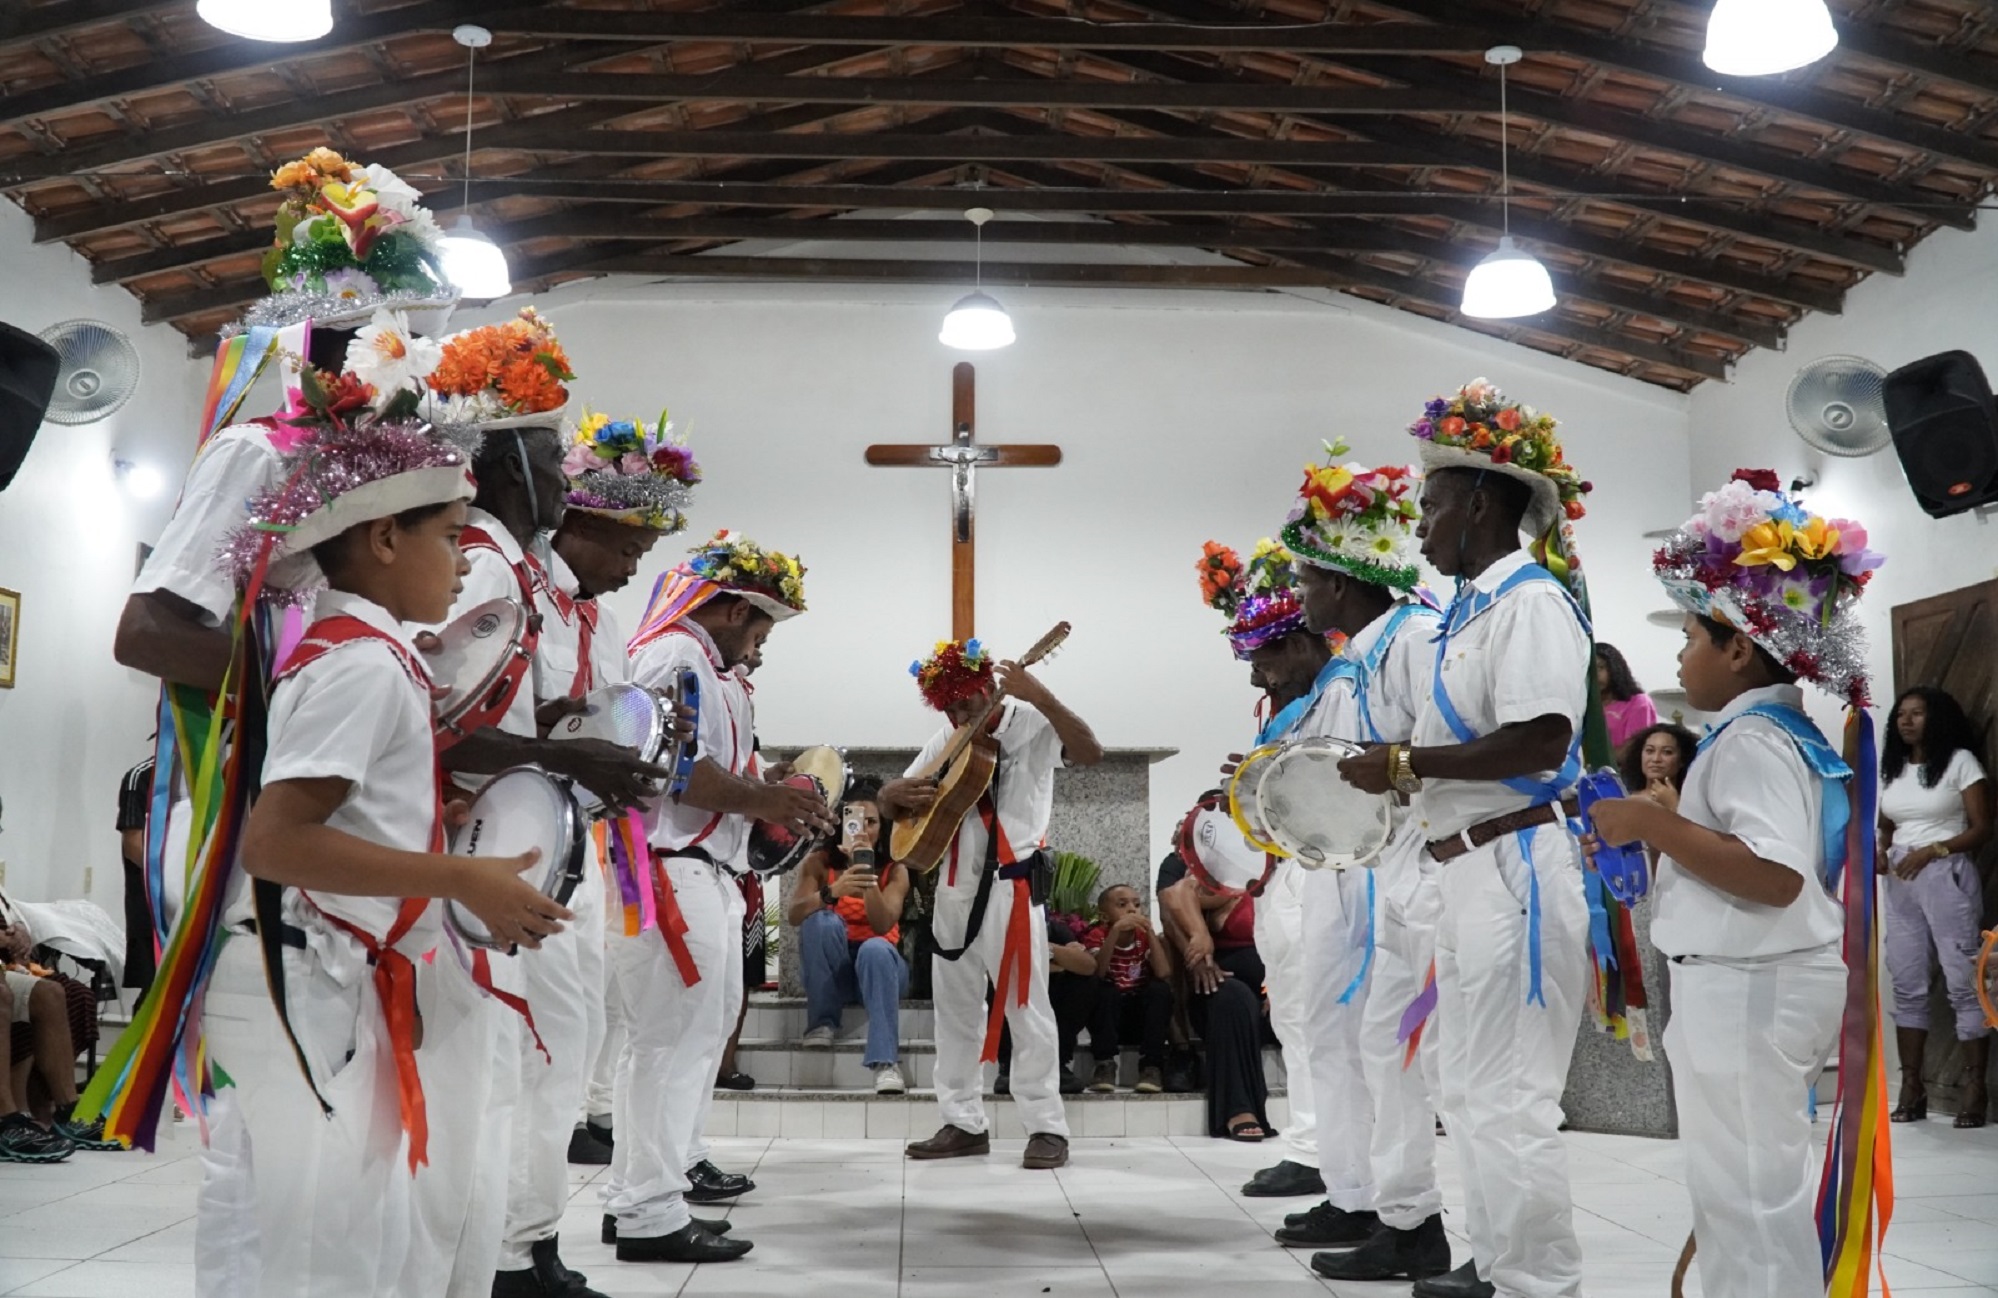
977	323
269	20
1759	38
1509	283
472	261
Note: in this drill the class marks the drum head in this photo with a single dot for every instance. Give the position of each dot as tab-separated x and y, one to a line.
827	766
777	849
519	809
626	715
1322	820
1242	806
1218	852
474	652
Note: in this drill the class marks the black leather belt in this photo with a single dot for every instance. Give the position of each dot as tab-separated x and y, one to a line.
289	934
1487	831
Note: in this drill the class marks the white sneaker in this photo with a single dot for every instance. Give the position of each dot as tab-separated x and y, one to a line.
818	1039
888	1080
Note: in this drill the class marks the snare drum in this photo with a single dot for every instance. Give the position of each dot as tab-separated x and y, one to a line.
519	808
1242	806
1215	851
1316	816
827	766
1625	870
483	661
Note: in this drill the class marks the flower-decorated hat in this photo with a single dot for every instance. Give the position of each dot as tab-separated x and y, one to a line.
1259	598
1478	428
350	238
508	375
632	472
736	565
1786	578
1358	520
956	670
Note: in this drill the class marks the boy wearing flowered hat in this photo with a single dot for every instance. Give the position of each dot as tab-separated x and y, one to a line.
351	824
1368	934
1006	940
680	984
1495	747
1744	901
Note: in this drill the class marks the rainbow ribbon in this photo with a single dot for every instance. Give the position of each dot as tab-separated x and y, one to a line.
676	594
1856	1194
238	363
626	848
1416	1016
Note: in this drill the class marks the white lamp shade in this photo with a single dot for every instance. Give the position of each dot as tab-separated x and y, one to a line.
1506	284
473	262
1757	38
976	324
269	20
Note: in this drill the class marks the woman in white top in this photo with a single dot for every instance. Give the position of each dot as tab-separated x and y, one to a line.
1935	813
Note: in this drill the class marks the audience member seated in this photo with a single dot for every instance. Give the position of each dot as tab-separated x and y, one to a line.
1213	933
1135	998
1072	988
48	1015
22	1139
847	911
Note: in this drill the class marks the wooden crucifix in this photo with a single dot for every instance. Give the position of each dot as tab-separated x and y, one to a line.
963	456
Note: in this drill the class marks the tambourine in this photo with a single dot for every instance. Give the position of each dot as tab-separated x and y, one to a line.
1625	870
1314	814
1215	851
519	808
776	849
1242	806
633	717
483	661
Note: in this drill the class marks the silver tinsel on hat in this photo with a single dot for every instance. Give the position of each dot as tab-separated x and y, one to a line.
647	499
294	306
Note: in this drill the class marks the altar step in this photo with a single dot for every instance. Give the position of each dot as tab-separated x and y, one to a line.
817	1113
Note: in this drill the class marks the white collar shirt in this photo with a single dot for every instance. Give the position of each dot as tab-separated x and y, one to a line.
559	655
1023	786
726	730
355	714
1399	686
233	467
1525	656
1753	784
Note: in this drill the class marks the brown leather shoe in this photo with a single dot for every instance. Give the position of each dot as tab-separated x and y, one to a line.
1045	1151
951	1142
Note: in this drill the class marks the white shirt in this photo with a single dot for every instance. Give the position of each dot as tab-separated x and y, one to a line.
1023	785
235	465
1752	783
1922	816
726	728
492	577
1524	657
1394	695
555	660
355	714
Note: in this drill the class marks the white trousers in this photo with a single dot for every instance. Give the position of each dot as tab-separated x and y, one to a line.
959	990
1505	1062
599	1100
1335	946
563	984
470	1068
240	1026
1404	1092
333	1191
1745	1042
1279	932
734	907
666	1074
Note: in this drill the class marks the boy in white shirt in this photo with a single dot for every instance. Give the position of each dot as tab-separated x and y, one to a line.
1744	902
350	821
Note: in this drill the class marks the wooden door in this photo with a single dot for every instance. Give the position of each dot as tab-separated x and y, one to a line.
1951	641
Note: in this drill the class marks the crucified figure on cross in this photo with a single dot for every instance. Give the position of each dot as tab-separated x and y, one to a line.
963	455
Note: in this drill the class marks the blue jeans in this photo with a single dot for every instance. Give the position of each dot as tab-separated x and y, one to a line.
839	972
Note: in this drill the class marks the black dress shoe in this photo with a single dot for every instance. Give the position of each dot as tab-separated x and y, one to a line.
546	1278
1002	1084
586	1150
712	1225
1418	1254
712	1185
1328	1227
1460	1283
688	1244
602	1132
1283	1181
736	1081
951	1142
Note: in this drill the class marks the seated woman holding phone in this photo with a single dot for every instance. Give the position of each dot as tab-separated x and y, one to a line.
847	909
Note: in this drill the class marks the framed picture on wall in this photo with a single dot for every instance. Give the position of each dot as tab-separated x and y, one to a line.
10	636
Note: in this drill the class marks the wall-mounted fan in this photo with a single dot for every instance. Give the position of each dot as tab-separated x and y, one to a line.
1837	406
100	371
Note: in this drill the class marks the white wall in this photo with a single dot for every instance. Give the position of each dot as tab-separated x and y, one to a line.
1181	418
1942	303
75	720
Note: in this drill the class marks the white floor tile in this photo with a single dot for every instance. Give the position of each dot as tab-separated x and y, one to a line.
116	1280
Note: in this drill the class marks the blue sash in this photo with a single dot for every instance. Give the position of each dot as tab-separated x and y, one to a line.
1469	604
1295	711
1825	763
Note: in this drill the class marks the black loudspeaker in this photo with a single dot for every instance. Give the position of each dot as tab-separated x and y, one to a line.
1945	430
28	369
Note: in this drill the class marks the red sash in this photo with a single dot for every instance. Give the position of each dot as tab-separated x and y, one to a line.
582	613
524	572
1016	958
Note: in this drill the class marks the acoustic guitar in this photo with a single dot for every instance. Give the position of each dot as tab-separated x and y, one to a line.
963	772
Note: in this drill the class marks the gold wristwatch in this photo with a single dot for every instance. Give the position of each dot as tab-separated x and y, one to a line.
1401	769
